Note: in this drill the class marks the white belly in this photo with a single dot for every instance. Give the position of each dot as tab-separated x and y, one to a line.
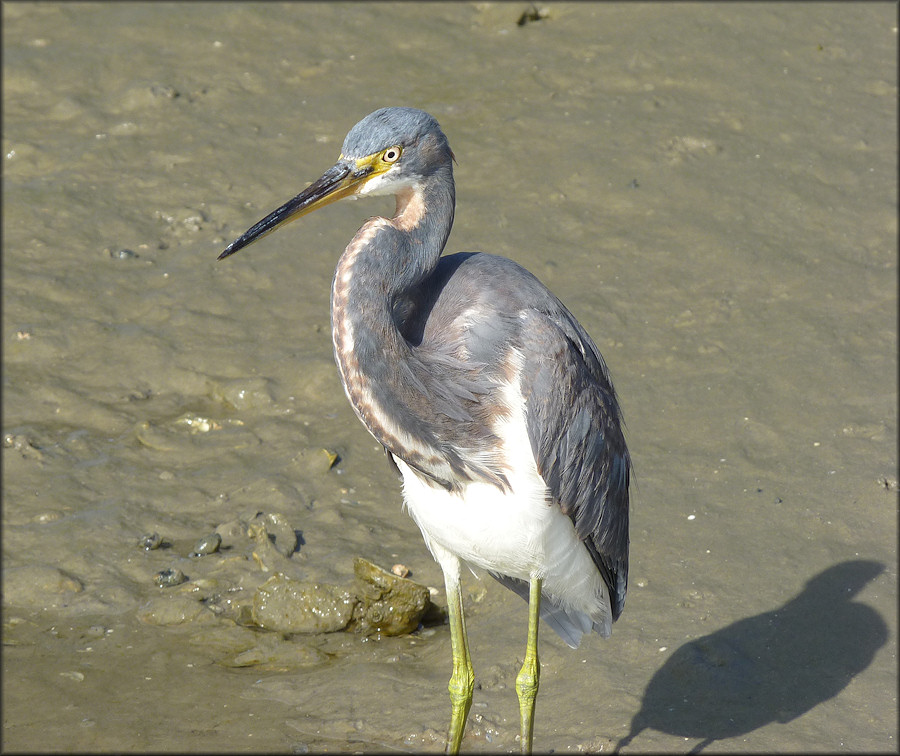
519	532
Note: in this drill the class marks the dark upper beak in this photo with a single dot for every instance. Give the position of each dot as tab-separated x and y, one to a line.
341	180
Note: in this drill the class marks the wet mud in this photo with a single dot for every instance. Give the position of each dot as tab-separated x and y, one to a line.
711	189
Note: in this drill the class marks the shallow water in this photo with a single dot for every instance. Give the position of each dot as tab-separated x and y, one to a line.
711	189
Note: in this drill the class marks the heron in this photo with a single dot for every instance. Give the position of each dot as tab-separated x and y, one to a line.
486	393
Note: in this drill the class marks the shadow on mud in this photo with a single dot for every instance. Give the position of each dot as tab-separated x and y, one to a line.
769	668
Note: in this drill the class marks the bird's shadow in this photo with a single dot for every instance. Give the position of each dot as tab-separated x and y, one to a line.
769	668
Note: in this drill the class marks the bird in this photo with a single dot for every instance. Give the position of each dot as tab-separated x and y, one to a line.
488	396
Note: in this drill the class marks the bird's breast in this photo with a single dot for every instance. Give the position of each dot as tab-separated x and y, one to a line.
485	524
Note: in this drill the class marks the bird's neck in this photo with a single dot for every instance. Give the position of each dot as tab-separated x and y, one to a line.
383	266
388	260
408	252
417	240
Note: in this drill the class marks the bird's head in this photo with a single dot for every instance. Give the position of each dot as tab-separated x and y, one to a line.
387	152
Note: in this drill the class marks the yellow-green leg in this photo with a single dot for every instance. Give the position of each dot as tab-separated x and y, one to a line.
462	681
529	676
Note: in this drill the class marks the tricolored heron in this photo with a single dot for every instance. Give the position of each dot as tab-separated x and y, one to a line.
484	390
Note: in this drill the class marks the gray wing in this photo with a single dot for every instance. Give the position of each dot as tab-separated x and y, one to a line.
572	414
575	428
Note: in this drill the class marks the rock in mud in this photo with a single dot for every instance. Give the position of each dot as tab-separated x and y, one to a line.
291	606
388	604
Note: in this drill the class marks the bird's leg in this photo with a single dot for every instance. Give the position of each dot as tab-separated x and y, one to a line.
529	676
462	681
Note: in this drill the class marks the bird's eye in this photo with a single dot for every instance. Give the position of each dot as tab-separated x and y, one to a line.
391	154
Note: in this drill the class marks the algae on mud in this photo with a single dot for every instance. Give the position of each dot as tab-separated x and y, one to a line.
378	602
248	571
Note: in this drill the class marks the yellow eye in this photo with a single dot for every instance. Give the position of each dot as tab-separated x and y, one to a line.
392	154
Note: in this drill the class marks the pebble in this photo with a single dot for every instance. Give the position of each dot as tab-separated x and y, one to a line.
170	578
150	541
207	545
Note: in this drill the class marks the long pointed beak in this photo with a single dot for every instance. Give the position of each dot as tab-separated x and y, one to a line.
342	180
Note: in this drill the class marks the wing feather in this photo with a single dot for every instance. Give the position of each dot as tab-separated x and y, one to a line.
575	427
